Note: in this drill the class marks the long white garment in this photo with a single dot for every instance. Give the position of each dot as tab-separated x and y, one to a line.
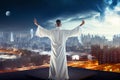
58	63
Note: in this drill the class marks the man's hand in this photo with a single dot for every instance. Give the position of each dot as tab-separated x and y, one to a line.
83	22
35	22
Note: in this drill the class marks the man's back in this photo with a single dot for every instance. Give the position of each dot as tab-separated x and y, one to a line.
58	36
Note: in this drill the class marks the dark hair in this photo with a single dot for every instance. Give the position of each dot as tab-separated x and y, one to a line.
58	21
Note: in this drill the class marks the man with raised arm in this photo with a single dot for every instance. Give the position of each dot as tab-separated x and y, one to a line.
58	69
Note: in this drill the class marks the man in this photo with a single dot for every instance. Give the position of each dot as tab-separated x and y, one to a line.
58	63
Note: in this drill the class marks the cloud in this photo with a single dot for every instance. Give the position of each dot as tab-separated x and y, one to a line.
70	22
107	27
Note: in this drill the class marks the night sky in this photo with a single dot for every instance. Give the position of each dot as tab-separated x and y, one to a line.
22	12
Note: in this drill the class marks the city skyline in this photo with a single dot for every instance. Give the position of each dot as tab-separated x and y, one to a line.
28	40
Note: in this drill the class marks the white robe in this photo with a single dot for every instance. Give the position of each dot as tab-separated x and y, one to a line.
58	63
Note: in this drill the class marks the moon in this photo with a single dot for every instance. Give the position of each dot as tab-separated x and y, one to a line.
7	13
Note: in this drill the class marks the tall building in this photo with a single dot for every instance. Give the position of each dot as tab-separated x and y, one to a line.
11	37
1	36
106	55
31	33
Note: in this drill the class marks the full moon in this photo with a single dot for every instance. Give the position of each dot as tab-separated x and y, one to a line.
7	13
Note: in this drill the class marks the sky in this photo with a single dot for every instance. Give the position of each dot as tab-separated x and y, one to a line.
101	17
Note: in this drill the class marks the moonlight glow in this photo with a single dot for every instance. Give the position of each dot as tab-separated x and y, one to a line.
7	13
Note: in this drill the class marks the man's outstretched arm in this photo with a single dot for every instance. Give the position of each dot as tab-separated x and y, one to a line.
76	31
35	22
83	22
41	32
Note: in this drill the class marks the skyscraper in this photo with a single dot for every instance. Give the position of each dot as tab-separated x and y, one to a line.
31	33
11	37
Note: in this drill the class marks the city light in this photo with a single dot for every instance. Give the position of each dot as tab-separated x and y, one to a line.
8	57
75	57
93	65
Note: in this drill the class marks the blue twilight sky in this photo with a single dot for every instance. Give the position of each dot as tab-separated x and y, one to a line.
102	16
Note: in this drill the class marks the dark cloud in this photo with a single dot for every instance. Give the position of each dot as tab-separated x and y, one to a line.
23	11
